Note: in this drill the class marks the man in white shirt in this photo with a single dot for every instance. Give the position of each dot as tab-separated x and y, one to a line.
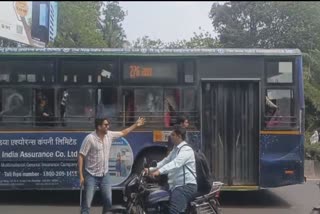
94	158
181	169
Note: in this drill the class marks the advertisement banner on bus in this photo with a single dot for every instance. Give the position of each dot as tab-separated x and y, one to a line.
49	160
27	22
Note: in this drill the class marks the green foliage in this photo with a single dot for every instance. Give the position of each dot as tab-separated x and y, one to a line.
199	40
111	27
239	23
312	62
312	89
312	151
77	25
267	24
146	42
80	25
202	40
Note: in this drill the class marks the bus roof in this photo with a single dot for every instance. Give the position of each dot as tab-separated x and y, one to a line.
149	52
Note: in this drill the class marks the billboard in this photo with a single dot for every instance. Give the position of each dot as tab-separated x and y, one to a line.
31	23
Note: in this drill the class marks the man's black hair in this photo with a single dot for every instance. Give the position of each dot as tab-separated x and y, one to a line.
181	119
99	122
180	131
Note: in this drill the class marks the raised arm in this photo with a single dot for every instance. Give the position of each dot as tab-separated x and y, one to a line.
138	123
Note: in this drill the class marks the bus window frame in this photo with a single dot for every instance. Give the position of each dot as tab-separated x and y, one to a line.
278	60
278	86
295	115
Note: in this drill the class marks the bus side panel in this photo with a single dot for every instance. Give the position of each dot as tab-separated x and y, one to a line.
281	160
49	160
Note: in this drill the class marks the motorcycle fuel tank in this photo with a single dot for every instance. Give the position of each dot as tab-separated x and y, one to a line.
158	196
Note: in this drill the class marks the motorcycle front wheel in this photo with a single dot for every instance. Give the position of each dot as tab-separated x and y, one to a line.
136	209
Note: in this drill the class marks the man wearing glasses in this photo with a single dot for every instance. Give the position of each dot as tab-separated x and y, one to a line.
94	158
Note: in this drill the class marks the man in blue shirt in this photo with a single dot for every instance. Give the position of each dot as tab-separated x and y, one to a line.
181	168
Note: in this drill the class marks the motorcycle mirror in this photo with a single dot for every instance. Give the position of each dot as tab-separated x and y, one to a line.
154	163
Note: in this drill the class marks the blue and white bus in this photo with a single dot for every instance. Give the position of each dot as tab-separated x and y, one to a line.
245	106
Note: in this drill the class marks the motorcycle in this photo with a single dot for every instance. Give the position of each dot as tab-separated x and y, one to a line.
144	195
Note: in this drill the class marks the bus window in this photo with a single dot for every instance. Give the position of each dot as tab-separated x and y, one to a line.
107	104
20	71
44	115
80	107
4	73
146	103
188	72
189	105
87	72
16	106
171	106
279	72
149	103
279	108
161	107
4	78
128	111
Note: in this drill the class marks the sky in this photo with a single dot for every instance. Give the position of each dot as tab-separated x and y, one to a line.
167	21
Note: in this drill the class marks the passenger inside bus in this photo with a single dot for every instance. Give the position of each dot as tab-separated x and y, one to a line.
149	103
129	107
272	113
63	104
152	103
43	115
159	106
170	109
13	105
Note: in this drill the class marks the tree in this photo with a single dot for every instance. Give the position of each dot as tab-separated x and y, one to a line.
238	22
202	40
146	42
311	89
111	27
77	25
199	40
267	24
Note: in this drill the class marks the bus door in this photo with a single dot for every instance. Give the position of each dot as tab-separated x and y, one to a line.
230	130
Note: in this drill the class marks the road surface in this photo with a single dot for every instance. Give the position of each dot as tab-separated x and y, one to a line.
296	199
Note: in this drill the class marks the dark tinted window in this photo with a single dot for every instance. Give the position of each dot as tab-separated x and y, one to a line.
87	72
27	71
